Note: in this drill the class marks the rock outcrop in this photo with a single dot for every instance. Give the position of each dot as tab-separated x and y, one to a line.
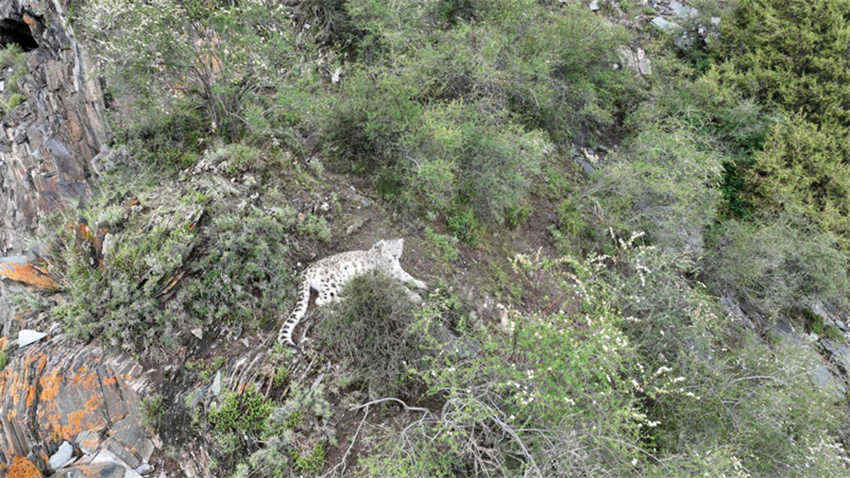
48	140
56	394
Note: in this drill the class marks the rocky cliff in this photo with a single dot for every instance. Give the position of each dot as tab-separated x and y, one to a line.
60	401
47	141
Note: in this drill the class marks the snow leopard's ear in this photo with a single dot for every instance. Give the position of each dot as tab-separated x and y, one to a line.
379	246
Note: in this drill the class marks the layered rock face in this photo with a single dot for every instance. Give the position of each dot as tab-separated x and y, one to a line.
47	142
54	393
64	407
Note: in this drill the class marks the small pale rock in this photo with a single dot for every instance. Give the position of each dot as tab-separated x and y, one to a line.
198	332
144	469
665	25
354	226
823	379
683	11
130	473
215	389
27	336
88	442
62	456
594	5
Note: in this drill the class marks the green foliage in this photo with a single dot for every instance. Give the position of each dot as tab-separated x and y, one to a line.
370	330
559	383
457	122
244	412
571	228
312	462
727	400
153	410
182	265
664	183
218	54
803	170
167	138
779	265
14	59
789	55
329	23
463	224
444	244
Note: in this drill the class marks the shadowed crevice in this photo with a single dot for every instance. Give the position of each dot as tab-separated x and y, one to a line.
18	33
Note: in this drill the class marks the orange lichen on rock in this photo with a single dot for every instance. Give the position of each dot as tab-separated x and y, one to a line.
27	273
22	468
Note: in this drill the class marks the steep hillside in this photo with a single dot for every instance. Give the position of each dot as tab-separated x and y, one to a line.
628	215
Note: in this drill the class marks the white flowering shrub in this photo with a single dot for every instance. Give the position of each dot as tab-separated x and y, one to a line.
562	395
733	403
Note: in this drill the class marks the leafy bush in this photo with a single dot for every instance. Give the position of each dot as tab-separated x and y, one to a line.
789	55
219	53
165	139
198	261
803	170
778	265
664	183
370	330
13	58
555	399
722	399
458	120
244	412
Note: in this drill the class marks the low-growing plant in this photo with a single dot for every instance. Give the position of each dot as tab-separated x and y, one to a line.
369	329
181	265
778	265
220	56
244	412
14	58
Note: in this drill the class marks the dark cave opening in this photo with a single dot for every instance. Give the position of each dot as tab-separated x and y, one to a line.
18	33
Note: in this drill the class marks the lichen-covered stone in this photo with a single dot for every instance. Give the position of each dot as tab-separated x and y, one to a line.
52	392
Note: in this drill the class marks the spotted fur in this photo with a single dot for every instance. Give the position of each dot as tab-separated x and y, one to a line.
328	276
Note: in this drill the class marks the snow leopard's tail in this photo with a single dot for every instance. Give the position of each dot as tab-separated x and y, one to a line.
285	334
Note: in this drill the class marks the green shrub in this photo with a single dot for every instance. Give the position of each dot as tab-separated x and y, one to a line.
790	55
13	57
724	400
463	118
778	265
804	170
555	398
164	138
664	183
244	412
312	462
178	266
370	330
156	54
